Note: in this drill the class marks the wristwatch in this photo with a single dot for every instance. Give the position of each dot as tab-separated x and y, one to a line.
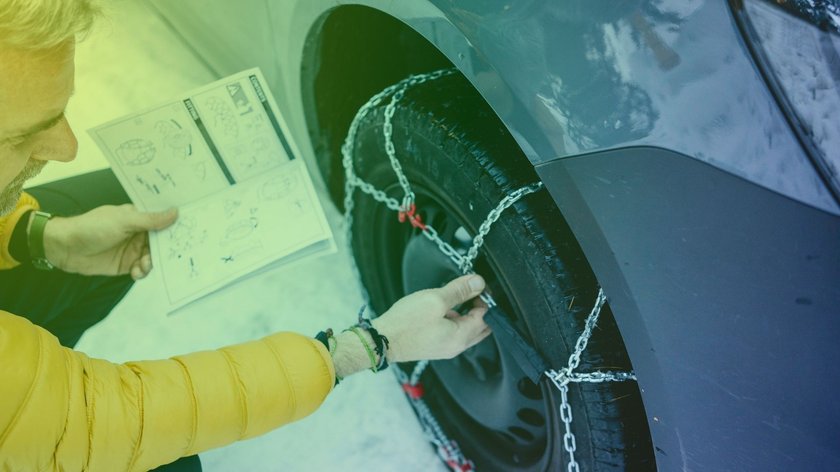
35	240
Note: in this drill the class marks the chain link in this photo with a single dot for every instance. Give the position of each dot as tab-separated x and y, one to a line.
566	417
388	132
566	375
466	264
448	449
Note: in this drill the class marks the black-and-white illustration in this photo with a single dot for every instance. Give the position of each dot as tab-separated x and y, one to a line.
240	230
194	273
260	144
279	187
136	152
252	124
177	139
298	207
253	154
219	156
200	171
165	177
184	236
240	252
223	118
231	206
150	187
239	98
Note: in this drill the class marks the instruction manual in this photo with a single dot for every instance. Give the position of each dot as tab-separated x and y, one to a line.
222	154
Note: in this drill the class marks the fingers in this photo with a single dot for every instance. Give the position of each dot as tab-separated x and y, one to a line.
452	315
143	265
461	289
141	268
480	337
472	325
146	263
142	221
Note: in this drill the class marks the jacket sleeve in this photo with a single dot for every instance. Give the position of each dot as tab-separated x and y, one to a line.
62	410
8	222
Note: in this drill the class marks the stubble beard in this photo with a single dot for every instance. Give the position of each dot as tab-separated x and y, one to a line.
11	194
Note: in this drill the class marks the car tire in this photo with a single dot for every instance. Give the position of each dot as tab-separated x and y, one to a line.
461	161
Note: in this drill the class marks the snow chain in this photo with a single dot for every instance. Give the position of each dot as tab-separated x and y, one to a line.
447	448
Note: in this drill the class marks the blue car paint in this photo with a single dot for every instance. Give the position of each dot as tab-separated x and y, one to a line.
726	295
701	215
576	77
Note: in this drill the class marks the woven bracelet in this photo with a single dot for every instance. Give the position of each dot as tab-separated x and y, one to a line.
381	343
371	356
324	337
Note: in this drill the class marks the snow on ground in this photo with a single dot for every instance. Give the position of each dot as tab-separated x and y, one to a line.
131	62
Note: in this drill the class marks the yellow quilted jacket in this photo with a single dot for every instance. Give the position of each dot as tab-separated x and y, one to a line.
61	410
7	225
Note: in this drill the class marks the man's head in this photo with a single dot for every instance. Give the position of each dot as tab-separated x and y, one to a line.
37	44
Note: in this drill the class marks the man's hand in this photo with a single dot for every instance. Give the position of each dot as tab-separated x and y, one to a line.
109	240
423	325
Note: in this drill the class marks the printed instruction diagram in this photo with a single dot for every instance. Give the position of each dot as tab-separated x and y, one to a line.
222	155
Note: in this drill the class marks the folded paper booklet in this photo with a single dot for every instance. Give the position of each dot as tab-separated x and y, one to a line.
222	154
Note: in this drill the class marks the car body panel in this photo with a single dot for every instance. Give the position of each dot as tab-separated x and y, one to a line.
705	221
734	343
592	77
568	78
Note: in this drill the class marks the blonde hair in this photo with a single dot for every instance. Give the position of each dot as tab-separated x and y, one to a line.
44	24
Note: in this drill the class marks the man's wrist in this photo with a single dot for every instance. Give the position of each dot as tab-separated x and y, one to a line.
53	242
35	239
350	355
391	354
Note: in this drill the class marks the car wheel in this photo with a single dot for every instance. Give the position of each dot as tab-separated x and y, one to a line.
461	162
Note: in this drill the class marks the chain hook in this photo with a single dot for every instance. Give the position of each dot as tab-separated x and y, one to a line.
408	211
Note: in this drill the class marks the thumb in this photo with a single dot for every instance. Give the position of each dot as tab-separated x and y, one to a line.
142	221
461	289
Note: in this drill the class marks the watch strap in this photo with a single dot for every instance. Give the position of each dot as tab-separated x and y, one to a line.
36	240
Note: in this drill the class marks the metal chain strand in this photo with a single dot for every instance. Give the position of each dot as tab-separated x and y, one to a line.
466	264
568	438
447	448
388	133
566	375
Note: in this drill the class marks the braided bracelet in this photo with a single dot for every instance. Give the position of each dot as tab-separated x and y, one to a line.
324	337
380	341
371	356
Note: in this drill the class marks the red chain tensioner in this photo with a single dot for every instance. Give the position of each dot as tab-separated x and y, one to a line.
454	465
414	391
414	219
452	460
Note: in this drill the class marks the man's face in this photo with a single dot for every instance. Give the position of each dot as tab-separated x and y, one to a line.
35	87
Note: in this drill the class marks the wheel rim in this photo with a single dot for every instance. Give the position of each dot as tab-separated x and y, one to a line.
483	392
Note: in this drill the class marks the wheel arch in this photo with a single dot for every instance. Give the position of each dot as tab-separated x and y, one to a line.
335	82
344	64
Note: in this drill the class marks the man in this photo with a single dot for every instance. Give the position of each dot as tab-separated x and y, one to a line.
59	409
